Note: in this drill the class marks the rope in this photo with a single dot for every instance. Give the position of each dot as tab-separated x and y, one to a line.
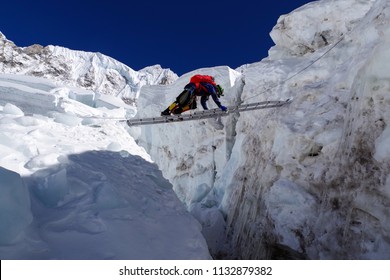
299	72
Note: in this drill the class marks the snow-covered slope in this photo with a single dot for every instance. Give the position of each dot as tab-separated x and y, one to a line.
310	180
75	185
93	71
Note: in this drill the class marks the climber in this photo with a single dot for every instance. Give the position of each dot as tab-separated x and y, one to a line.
200	85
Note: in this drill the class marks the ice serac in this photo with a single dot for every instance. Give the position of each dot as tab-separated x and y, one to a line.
192	154
184	150
75	185
310	28
310	180
309	185
93	71
14	207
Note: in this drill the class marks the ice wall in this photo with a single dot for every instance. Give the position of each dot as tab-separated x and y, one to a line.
313	179
191	153
310	180
75	185
14	207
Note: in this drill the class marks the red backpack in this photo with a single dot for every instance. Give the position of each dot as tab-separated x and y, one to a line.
202	79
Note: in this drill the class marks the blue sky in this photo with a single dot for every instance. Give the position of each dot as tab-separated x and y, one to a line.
180	35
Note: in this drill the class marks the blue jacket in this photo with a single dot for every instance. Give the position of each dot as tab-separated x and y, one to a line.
205	90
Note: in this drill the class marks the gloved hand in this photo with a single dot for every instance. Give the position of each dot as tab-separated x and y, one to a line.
223	108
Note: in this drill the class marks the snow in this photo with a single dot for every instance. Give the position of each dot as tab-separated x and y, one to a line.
75	185
86	97
316	25
12	110
309	180
382	146
91	71
14	207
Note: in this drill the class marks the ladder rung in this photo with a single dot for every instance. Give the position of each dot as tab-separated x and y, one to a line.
208	113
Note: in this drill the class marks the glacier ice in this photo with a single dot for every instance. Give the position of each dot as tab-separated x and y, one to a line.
309	180
75	185
15	214
305	181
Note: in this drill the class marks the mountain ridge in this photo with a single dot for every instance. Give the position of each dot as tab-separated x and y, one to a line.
92	71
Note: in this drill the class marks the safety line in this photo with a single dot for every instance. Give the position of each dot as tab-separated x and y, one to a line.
299	72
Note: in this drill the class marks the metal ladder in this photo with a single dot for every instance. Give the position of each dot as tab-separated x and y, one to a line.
198	115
